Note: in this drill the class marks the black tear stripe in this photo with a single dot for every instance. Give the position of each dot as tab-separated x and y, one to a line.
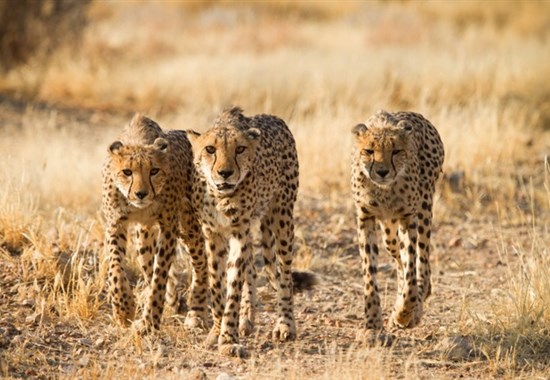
238	167
214	163
130	188
151	184
392	164
371	166
132	181
215	158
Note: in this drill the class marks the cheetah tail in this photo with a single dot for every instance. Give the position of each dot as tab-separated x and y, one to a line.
303	281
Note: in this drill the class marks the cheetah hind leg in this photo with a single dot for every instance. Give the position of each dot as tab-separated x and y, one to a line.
423	269
285	328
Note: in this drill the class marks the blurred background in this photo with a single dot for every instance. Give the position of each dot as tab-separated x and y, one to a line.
74	72
478	70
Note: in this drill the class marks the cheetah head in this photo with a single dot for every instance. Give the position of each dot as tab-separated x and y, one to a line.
224	155
383	147
140	170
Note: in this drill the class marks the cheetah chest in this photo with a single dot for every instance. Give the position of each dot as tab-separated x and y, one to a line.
223	215
393	202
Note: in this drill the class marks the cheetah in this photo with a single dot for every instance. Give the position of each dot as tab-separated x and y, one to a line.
248	175
397	160
147	184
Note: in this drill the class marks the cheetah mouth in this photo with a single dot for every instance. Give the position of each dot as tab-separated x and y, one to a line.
384	183
141	204
225	187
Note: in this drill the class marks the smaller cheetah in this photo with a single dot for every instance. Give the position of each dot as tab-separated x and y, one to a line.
147	183
248	173
396	162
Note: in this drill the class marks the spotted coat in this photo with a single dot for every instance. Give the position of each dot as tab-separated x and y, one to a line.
397	160
147	184
249	174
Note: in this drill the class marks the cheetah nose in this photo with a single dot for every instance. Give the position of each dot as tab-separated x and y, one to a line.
225	173
382	172
141	194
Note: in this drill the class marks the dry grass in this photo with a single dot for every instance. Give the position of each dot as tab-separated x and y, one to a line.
515	334
479	74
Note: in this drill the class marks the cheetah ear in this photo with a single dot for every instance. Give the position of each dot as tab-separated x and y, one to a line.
161	145
253	133
359	129
115	147
192	136
136	119
405	125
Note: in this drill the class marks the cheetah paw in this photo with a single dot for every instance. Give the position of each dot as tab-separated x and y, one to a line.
426	290
234	350
246	327
374	338
124	318
143	327
406	318
284	332
193	320
212	338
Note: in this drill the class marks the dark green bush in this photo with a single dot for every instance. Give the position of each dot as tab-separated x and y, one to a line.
36	28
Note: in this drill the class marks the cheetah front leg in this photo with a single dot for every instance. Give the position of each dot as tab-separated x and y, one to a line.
248	300
154	305
408	306
216	252
372	334
240	252
390	230
368	249
121	294
199	290
144	241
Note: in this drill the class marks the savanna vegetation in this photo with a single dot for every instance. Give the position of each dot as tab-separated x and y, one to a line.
74	72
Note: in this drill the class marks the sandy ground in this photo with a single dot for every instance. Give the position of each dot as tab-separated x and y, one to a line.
38	341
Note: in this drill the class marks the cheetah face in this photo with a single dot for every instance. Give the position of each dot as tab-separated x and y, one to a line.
224	156
140	171
382	151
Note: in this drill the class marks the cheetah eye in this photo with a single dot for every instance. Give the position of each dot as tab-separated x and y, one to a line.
210	149
127	172
240	149
370	152
154	171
